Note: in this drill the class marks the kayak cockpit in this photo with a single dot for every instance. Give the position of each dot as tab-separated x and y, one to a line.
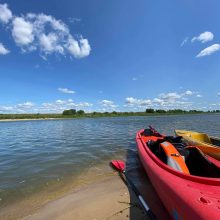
199	165
215	141
176	154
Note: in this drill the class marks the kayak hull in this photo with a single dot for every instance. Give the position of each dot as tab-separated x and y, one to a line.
204	142
184	196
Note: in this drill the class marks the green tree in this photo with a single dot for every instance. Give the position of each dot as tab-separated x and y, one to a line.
160	111
150	110
69	112
80	112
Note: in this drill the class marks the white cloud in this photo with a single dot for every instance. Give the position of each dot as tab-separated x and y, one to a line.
49	43
184	41
204	37
65	90
60	105
48	107
170	97
164	100
209	50
22	31
5	13
189	93
108	104
6	108
199	96
25	105
78	49
3	50
45	33
130	101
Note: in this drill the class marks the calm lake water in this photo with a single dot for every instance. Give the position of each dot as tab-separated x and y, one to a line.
34	155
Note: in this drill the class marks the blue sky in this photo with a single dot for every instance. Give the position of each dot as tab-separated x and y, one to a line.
109	55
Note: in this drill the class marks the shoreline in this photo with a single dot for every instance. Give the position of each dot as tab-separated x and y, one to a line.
102	116
98	193
30	119
107	199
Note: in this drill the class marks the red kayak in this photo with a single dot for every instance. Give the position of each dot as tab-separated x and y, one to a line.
186	180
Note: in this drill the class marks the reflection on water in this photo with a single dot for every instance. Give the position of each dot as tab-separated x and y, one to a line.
36	153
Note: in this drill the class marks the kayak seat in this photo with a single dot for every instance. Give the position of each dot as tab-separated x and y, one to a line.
182	149
215	141
199	165
174	158
195	161
168	154
149	132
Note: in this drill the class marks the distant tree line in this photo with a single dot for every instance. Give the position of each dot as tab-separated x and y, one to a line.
175	111
73	112
214	111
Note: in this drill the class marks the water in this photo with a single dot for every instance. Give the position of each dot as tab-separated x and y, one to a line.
37	155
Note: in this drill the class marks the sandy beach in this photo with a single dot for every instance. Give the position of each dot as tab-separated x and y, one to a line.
98	194
107	199
30	119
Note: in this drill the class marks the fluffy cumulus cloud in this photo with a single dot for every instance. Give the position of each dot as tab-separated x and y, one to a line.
60	105
3	50
78	49
5	14
19	108
22	31
204	37
44	33
108	105
171	100
209	50
139	102
188	92
25	105
65	90
48	107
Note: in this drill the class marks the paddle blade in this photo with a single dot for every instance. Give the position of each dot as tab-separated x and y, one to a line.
118	165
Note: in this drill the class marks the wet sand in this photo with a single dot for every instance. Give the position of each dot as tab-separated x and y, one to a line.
108	199
98	193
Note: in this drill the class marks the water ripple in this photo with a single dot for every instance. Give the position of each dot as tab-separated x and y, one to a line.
35	152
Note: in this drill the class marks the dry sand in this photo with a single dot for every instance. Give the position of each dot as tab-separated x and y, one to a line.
30	119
